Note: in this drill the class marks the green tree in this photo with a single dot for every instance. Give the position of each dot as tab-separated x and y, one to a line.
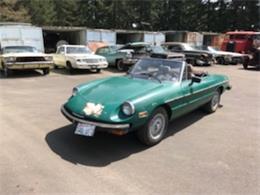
66	12
42	12
13	11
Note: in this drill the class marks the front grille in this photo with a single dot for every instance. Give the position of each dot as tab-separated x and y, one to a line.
30	59
91	60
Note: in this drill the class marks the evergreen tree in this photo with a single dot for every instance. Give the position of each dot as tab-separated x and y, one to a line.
13	11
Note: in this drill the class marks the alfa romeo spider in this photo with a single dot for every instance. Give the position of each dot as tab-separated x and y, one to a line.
154	92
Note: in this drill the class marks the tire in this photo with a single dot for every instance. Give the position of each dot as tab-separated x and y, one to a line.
245	65
213	104
120	66
6	71
69	67
149	134
45	71
98	70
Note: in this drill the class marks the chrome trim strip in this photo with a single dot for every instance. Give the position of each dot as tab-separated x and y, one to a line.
98	124
196	92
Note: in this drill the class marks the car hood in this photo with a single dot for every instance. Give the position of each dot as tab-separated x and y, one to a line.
118	89
89	56
110	94
228	53
199	51
25	54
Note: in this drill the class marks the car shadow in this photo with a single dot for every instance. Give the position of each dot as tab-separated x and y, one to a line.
22	74
64	71
252	68
104	148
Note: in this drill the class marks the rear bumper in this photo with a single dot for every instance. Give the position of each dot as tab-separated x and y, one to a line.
74	119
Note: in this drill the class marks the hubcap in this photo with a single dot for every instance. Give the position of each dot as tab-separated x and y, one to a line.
156	126
215	101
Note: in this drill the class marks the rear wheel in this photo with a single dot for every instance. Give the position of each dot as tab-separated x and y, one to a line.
213	104
155	128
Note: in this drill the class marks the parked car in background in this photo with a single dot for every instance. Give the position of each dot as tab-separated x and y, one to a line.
253	59
240	41
154	92
24	57
114	56
142	49
224	57
78	57
193	56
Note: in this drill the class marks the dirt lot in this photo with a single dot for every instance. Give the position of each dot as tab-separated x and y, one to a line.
202	154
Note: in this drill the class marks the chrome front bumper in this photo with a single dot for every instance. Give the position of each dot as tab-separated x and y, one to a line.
28	65
98	124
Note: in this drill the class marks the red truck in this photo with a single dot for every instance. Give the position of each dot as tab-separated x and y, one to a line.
247	42
240	41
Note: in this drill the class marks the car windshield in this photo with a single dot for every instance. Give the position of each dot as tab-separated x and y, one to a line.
19	49
158	49
157	69
188	47
78	50
213	49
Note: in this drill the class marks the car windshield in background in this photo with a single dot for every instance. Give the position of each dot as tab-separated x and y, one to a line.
158	49
77	50
19	49
188	47
157	69
213	49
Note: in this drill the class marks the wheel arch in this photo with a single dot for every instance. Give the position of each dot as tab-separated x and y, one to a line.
221	89
168	109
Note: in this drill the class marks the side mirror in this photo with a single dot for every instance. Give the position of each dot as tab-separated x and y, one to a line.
195	79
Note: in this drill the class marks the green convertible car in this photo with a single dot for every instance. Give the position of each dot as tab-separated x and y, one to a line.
154	92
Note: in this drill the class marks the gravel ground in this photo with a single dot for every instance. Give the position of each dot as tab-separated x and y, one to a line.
202	154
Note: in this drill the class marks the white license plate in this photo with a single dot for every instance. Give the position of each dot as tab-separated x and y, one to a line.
85	129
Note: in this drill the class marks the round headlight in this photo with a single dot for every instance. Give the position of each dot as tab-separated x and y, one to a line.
75	90
128	108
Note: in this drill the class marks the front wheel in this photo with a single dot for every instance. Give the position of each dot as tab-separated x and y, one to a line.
245	65
7	72
46	71
69	67
213	104
119	65
155	128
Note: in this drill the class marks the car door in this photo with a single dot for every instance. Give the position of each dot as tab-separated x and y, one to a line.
105	52
59	57
195	94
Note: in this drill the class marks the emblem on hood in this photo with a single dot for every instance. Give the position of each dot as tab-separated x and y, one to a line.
92	109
